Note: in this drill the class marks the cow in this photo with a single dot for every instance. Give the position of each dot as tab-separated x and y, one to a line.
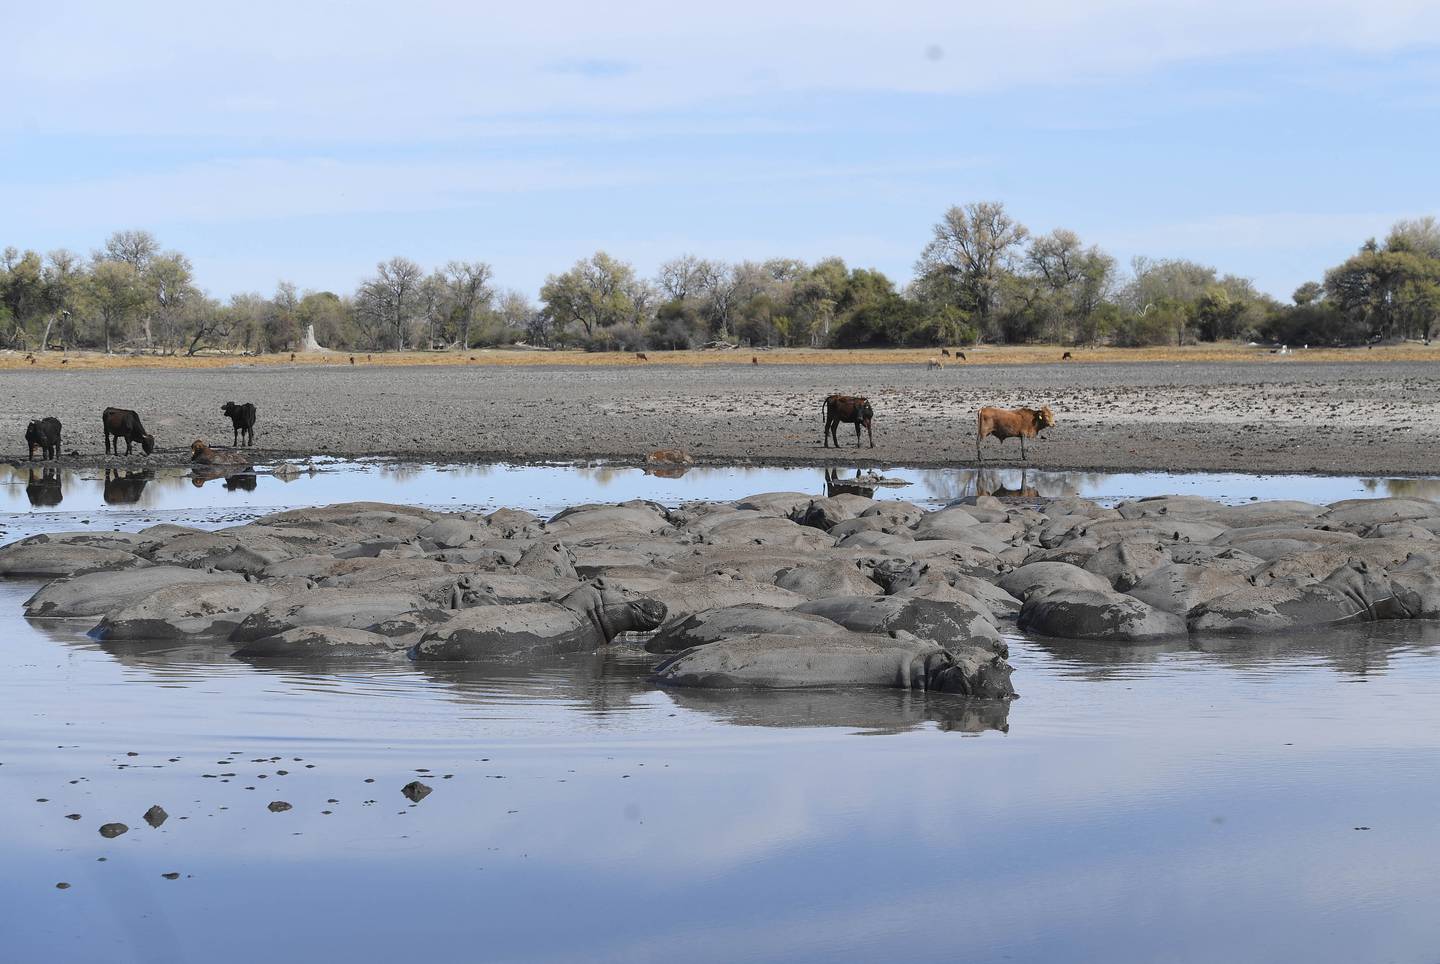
754	360
640	356
945	352
1066	357
202	453
854	409
1003	423
123	423
242	420
934	363
960	354
44	434
352	359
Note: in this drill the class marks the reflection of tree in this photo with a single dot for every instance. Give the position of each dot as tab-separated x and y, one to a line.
401	471
1421	488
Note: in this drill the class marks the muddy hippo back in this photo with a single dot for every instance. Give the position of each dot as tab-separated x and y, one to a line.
523	629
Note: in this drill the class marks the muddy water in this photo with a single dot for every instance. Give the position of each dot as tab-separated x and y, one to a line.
1136	804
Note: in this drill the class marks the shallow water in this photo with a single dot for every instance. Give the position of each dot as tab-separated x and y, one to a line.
1136	804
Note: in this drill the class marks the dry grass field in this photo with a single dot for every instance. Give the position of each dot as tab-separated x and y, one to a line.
984	355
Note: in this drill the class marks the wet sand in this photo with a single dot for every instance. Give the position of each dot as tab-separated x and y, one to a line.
1287	416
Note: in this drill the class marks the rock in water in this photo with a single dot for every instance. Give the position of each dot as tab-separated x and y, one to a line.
112	830
156	815
415	791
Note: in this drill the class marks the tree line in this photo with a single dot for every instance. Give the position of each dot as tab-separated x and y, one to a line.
982	276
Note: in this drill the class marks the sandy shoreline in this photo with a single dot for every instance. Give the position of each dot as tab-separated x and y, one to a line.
1352	418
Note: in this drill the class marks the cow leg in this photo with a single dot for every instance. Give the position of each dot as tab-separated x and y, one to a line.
857	435
1023	456
870	431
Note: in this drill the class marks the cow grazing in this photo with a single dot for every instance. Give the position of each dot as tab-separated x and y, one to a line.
44	434
242	420
945	352
1003	423
960	355
122	423
934	362
640	356
854	409
1066	357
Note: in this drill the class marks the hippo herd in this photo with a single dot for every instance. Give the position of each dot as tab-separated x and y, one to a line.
774	591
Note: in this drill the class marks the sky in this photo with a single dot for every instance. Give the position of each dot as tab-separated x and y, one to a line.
308	141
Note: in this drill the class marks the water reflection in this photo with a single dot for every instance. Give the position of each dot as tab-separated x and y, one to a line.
44	490
126	486
549	488
872	712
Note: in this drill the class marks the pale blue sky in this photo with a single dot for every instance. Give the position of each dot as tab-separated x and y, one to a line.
308	141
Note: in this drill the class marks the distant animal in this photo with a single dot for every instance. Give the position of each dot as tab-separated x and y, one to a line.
30	359
472	357
960	355
292	356
854	409
203	454
1066	357
352	359
242	420
640	356
123	423
754	360
945	352
368	358
43	434
934	362
64	361
1003	423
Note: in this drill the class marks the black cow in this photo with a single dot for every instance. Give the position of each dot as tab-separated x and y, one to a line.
44	434
242	420
123	423
847	408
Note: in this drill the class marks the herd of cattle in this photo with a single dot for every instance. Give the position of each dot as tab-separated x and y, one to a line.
123	424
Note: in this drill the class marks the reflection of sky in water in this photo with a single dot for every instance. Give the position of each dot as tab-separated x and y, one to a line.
548	488
1154	803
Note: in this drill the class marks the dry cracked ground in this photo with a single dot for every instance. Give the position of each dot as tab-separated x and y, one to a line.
1285	416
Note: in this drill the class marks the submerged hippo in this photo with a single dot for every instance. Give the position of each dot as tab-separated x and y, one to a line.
584	619
774	661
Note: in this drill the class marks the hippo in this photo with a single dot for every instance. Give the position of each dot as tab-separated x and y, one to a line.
584	619
777	661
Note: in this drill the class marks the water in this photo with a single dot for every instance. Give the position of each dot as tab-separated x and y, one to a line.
1177	802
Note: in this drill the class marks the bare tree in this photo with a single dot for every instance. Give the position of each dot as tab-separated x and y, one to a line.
470	292
974	244
389	298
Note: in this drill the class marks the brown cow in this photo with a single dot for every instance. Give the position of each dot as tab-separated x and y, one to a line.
1003	423
1066	357
847	408
205	455
640	356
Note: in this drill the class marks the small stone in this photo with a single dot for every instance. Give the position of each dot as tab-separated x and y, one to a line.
156	815
72	816
278	806
415	791
62	886
171	876
112	830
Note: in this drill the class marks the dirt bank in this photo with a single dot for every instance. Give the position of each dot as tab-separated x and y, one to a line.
1358	418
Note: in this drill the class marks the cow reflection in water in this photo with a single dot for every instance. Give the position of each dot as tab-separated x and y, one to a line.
234	481
43	488
125	486
993	484
835	485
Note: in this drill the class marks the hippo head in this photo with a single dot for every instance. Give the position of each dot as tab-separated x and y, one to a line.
990	679
614	611
147	442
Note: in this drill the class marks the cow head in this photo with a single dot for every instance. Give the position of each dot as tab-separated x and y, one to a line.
866	412
32	437
1044	418
198	449
230	408
147	442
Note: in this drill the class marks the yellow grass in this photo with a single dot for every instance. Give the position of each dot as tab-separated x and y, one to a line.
999	355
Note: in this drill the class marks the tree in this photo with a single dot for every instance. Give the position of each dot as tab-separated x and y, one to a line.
116	292
389	299
470	293
170	296
596	293
973	245
64	276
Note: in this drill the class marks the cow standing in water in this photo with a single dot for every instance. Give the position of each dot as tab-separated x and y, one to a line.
854	409
1003	423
